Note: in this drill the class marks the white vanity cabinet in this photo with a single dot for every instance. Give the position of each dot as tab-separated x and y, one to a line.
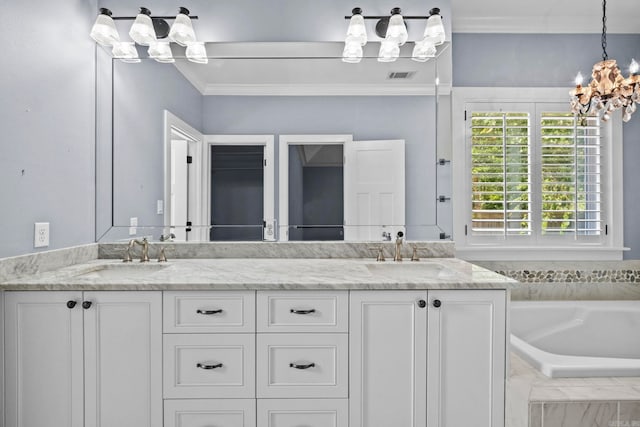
76	359
427	358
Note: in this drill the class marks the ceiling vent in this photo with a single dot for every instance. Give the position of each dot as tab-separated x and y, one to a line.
399	75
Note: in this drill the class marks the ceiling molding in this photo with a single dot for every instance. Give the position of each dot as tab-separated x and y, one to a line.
323	90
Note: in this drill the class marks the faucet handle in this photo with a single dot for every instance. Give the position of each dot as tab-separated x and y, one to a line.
416	248
380	256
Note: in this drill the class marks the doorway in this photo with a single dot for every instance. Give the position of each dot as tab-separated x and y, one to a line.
240	187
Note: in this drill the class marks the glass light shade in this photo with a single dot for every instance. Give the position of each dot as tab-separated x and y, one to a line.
197	52
389	51
125	51
161	52
182	30
423	51
104	31
352	52
434	32
633	67
357	31
142	31
397	31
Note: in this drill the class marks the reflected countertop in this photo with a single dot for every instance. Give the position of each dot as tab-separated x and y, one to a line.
263	274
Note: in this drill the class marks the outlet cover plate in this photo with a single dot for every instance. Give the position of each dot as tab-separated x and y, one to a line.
41	235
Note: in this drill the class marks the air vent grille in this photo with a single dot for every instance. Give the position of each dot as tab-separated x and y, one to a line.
399	75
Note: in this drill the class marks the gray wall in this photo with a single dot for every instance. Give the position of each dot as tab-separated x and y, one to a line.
47	82
388	117
553	60
324	202
142	92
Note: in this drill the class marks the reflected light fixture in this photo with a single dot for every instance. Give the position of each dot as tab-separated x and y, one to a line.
148	30
393	29
608	90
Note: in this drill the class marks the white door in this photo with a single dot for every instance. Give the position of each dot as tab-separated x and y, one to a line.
178	204
43	359
466	361
388	366
374	189
123	359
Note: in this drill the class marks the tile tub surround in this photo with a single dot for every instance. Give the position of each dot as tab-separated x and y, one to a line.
432	249
537	401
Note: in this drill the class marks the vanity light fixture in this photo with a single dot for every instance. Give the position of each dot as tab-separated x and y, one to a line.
393	29
148	30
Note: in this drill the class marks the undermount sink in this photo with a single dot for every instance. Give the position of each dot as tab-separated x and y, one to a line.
403	269
129	271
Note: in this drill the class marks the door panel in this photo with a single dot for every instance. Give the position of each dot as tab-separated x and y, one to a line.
44	384
123	359
374	189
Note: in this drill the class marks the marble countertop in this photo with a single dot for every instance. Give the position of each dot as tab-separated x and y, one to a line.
261	273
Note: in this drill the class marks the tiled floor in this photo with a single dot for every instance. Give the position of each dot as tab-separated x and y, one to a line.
533	400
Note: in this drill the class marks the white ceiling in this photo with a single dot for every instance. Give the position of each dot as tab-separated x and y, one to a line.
544	16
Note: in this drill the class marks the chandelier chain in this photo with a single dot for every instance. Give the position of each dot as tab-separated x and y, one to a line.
605	56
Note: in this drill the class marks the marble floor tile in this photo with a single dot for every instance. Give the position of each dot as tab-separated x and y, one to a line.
535	415
629	414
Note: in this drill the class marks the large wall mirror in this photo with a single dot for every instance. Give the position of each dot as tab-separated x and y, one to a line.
271	141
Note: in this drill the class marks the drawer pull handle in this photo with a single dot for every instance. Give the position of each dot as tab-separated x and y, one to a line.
295	311
295	365
209	312
203	366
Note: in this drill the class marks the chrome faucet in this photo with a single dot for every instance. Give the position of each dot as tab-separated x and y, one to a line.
144	256
398	254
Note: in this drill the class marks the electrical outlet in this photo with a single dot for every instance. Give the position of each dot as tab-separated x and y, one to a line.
133	223
41	235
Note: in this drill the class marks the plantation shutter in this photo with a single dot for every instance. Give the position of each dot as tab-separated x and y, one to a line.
571	151
500	173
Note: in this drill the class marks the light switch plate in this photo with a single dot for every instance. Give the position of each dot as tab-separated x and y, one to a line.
160	207
133	223
41	235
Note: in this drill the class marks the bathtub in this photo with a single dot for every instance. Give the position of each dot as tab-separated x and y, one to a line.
578	338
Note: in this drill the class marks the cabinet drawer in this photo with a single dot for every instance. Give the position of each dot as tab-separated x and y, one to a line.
303	412
210	412
209	312
209	365
307	311
302	365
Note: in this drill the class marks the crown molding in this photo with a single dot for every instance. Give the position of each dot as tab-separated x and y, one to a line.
324	90
540	25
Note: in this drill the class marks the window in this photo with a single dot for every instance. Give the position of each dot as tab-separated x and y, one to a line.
534	176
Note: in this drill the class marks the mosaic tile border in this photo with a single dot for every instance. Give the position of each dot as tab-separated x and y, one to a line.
573	276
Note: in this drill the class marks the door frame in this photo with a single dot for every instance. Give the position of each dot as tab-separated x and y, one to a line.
283	165
173	123
267	141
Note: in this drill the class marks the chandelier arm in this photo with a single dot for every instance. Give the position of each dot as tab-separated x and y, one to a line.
605	56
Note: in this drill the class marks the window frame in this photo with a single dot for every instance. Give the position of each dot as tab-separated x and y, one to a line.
608	247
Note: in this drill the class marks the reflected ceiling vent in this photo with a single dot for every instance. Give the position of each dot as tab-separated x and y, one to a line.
399	75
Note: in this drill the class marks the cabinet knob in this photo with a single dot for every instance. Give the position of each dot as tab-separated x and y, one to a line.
295	311
437	303
209	312
86	304
71	303
203	366
307	366
422	303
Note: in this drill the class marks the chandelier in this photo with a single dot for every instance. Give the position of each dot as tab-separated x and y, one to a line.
609	90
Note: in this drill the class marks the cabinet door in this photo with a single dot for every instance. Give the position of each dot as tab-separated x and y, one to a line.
43	359
388	348
466	361
123	359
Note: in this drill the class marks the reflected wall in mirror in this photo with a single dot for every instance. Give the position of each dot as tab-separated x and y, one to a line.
136	172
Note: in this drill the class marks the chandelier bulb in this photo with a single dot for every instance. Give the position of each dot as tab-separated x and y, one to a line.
579	79
634	67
